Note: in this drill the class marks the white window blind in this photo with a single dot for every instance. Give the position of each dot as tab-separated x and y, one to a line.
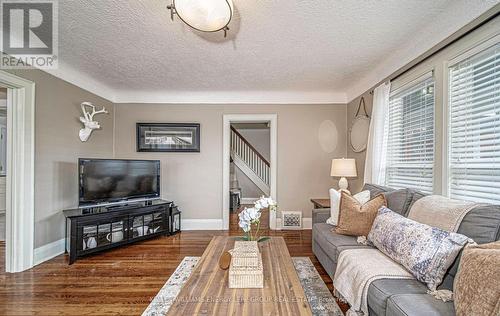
410	145
474	129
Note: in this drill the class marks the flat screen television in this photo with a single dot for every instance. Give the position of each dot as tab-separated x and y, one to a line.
115	180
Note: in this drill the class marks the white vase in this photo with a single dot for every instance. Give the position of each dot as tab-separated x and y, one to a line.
115	236
92	243
141	231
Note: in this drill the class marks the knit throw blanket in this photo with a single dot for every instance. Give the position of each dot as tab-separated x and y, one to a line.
441	212
357	269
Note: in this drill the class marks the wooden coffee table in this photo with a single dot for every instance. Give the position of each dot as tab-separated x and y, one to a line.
207	293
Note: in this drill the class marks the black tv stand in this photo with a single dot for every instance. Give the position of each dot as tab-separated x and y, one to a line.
95	229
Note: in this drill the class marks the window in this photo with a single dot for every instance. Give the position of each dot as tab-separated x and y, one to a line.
410	144
474	127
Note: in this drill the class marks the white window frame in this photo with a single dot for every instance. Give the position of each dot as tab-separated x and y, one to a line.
471	51
409	80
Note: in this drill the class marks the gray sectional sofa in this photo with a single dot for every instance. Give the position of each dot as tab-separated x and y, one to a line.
388	297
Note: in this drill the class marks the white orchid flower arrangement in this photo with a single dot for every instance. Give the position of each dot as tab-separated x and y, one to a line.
250	217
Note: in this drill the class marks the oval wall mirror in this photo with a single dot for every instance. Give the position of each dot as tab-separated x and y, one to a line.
360	127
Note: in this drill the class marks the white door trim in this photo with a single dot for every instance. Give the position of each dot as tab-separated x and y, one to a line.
248	118
20	215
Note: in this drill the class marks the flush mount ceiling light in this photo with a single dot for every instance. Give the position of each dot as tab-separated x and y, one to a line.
203	15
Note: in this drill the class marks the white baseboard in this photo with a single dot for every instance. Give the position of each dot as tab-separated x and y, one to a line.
201	224
247	201
278	223
49	251
306	223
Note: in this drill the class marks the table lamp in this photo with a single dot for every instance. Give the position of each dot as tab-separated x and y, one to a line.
344	168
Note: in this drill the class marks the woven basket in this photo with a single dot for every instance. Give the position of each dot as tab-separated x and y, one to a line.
245	262
246	277
248	247
245	254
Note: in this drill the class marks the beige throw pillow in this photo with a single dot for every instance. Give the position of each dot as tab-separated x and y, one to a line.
477	283
356	219
362	197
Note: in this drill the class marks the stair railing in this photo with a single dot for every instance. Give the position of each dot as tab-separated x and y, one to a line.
250	156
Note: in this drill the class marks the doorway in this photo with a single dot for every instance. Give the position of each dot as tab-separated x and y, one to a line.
250	149
3	164
19	177
249	163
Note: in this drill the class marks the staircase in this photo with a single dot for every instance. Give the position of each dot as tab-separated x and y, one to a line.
250	161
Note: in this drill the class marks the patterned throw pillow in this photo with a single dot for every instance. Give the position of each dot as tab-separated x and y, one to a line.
426	251
356	219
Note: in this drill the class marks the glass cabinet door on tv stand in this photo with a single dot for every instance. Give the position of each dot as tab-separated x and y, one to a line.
98	235
143	225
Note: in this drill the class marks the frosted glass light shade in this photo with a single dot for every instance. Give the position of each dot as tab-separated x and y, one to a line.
205	15
344	168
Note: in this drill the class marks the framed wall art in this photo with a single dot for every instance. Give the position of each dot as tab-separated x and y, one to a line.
168	137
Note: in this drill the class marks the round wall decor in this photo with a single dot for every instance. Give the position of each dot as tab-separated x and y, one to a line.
328	136
360	127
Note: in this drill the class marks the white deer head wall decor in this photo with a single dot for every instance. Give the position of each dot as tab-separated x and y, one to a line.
88	120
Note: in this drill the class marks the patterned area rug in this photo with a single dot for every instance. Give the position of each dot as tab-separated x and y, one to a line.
320	299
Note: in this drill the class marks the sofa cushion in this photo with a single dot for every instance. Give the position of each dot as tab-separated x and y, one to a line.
397	200
325	259
376	189
416	195
380	291
320	215
482	224
333	243
417	305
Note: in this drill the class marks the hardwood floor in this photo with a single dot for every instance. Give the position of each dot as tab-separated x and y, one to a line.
233	219
119	282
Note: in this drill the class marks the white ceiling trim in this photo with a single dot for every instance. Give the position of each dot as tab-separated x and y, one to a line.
67	73
232	97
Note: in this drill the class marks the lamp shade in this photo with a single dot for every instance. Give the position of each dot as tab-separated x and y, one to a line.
205	15
344	168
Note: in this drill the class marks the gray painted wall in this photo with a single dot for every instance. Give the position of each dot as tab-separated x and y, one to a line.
194	180
57	149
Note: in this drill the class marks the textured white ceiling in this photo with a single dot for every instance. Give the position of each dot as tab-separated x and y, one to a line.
277	51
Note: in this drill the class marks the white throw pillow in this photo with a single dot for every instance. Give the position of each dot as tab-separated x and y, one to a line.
362	197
